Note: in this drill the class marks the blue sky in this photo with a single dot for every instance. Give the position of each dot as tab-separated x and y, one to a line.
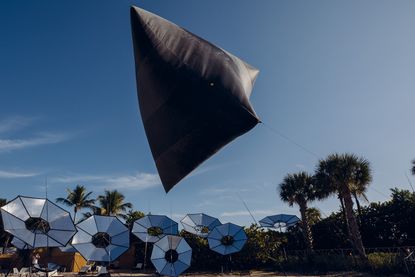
335	76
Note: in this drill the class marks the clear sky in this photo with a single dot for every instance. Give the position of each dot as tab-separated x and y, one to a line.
335	76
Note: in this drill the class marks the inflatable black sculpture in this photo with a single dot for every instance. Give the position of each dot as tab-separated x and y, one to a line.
193	95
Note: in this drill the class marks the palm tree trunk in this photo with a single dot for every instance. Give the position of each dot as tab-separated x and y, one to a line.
352	223
306	226
75	210
342	206
359	208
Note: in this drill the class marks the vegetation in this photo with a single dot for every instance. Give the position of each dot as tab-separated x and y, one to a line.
132	216
78	198
298	189
112	203
374	237
343	175
386	225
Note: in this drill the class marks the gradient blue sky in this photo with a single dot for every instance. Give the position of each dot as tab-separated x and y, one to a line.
336	76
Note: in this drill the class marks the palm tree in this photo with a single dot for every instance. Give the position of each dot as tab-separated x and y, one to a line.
112	203
132	216
78	198
313	215
298	189
342	174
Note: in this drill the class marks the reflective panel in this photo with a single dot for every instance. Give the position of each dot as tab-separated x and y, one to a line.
60	222
152	228
121	239
279	221
16	208
27	218
103	223
11	222
199	224
227	239
35	206
169	261
67	249
159	263
115	245
116	227
88	225
19	244
81	237
157	253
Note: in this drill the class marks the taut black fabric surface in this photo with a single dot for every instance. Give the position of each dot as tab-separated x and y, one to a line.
193	95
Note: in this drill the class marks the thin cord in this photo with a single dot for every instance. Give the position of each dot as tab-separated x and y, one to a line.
278	133
379	192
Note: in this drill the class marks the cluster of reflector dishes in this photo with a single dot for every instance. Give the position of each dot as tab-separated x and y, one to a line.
37	222
227	238
101	238
152	228
279	221
199	224
171	255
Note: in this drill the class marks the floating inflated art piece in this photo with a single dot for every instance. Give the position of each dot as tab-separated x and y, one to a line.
193	96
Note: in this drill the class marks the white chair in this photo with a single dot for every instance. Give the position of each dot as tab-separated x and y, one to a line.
24	271
16	272
47	274
102	270
85	269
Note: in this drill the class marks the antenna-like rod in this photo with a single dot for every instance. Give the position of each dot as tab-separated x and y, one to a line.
409	181
246	206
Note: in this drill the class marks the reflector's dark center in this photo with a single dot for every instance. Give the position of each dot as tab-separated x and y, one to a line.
37	225
155	231
101	240
171	256
227	240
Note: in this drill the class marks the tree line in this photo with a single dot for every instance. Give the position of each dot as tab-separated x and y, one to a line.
360	227
346	176
112	202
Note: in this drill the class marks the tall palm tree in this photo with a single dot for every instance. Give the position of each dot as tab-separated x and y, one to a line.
112	203
77	198
298	189
341	174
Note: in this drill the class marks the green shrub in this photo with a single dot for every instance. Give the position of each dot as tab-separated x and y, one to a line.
378	263
386	263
